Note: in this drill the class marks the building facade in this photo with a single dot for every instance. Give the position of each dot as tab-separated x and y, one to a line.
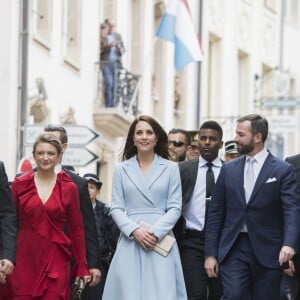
249	65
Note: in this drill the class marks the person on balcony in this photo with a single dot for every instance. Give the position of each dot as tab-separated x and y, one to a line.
112	49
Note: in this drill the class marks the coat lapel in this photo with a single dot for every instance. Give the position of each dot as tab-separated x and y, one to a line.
132	169
157	168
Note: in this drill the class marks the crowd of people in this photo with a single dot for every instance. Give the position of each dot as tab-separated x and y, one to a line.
184	223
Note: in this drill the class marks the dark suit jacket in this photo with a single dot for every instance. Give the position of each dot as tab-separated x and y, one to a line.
8	219
88	217
272	214
188	175
108	232
295	161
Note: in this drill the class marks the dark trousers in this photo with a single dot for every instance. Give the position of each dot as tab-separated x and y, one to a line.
290	286
241	271
96	292
198	285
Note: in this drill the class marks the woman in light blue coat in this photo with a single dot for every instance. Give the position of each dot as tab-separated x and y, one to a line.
146	188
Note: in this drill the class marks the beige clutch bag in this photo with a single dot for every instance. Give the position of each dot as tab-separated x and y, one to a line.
164	246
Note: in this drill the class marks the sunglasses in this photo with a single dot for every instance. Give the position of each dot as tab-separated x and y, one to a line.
176	144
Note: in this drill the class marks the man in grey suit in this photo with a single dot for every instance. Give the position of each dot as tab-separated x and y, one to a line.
196	193
8	227
253	220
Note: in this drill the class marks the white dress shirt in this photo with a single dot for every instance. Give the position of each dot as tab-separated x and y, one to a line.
260	158
194	210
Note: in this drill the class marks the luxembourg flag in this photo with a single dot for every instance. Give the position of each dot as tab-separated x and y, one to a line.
177	27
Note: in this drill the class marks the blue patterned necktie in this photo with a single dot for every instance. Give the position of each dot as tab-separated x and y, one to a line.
249	178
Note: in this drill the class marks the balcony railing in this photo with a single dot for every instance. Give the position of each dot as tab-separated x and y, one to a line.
125	90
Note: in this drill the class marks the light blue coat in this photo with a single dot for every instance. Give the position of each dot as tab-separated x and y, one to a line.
137	274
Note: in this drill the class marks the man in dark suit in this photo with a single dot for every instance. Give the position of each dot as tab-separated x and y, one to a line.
294	282
8	227
295	161
90	231
178	142
196	193
253	220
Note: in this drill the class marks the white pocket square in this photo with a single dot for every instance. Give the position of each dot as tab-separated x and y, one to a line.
273	179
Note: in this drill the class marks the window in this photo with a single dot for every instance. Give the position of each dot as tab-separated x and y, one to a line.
291	12
272	5
242	82
72	32
43	22
214	72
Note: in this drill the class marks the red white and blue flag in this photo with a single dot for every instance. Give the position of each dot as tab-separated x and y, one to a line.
177	27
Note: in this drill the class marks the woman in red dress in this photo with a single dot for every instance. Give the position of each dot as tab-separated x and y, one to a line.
45	203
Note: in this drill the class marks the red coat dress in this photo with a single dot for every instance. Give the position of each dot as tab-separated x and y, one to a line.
43	249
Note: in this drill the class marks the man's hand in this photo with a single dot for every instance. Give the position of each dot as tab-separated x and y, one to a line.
95	277
291	270
6	266
212	267
286	253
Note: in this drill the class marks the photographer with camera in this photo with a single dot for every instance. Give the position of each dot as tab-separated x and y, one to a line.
112	49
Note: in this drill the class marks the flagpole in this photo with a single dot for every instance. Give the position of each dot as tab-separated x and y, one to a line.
199	68
150	55
145	63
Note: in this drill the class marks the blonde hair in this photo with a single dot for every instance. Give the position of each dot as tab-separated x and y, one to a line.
48	138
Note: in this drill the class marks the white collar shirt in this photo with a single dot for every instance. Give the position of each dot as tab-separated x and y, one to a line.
260	158
194	210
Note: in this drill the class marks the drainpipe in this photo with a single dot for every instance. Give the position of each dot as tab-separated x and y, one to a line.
23	75
281	36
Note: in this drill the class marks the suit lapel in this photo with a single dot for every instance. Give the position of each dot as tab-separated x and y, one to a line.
188	179
263	175
239	175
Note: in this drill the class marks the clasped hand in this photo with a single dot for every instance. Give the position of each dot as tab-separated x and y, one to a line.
145	237
2	277
6	267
